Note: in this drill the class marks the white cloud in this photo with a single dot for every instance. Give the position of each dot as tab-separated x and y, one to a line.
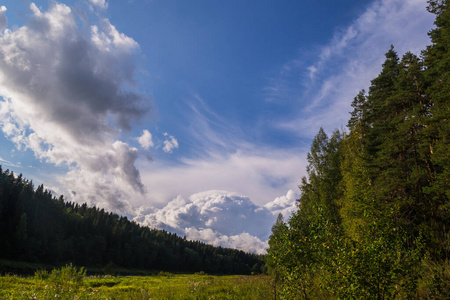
145	140
170	143
219	218
222	159
342	68
348	63
285	205
261	174
69	107
8	163
226	212
102	4
243	241
109	39
3	19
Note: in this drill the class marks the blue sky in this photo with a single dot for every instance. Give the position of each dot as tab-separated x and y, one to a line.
157	109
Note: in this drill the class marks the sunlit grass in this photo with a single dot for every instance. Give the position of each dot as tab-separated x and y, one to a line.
166	286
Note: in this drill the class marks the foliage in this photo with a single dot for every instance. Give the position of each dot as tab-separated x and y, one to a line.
68	275
373	215
65	279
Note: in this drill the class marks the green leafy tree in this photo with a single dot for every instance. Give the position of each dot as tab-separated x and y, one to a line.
276	242
302	250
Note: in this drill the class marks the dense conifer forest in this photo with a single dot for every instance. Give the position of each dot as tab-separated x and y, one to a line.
36	227
373	219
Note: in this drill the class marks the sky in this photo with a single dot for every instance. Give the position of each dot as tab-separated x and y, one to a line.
189	116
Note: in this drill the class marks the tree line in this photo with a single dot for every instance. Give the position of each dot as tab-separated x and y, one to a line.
373	219
37	227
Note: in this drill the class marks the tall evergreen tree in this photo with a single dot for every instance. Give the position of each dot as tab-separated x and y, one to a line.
385	213
436	138
357	198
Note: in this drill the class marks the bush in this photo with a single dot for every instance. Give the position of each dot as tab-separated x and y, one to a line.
41	274
165	274
67	277
201	273
435	281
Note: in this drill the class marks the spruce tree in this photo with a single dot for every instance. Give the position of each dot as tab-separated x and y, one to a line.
436	142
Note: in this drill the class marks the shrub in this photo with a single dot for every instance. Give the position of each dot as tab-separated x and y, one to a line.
68	276
165	274
41	274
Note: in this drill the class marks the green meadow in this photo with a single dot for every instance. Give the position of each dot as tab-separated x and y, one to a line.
71	283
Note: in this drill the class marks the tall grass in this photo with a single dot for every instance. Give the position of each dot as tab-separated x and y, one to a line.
70	283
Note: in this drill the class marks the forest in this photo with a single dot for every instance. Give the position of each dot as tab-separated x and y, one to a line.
373	219
36	227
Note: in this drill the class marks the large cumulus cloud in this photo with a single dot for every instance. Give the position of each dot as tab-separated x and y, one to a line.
284	205
67	93
220	218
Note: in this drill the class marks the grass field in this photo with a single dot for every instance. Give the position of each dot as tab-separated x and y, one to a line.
162	286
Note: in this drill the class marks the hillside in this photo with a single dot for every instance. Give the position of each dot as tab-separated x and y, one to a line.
36	227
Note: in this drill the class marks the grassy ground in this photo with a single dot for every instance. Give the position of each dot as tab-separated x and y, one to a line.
162	286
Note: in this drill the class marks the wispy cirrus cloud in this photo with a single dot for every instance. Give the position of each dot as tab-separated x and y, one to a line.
346	64
8	163
213	133
261	174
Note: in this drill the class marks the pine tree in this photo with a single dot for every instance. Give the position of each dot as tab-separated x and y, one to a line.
436	143
378	198
356	203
